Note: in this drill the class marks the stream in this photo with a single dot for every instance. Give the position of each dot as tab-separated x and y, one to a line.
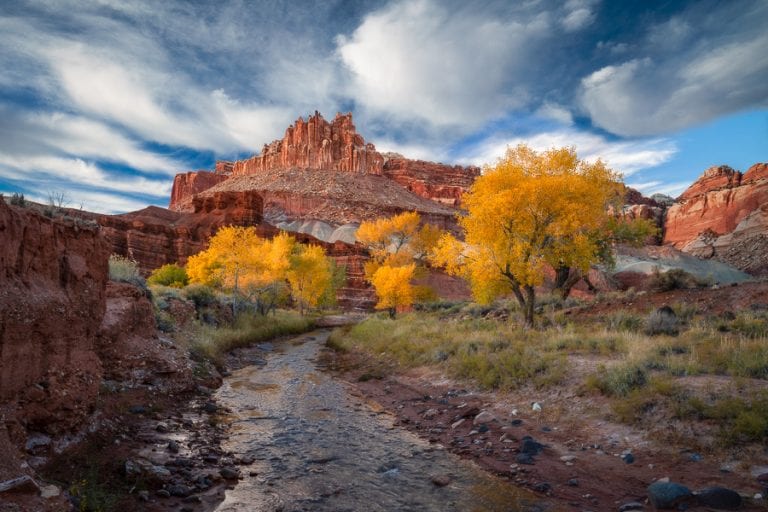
316	447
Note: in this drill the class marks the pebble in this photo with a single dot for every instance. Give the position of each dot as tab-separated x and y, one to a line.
430	413
163	493
137	409
573	482
210	407
632	505
457	424
530	446
440	480
628	458
179	490
568	458
173	446
483	418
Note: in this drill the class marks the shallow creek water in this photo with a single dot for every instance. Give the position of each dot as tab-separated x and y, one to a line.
317	447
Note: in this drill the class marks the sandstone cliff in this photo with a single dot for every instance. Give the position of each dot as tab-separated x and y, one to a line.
51	303
326	153
724	215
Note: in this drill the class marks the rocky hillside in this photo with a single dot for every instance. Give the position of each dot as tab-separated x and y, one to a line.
325	171
724	215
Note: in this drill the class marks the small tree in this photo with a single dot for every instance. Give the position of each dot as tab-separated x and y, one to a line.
529	211
399	242
393	287
310	275
170	274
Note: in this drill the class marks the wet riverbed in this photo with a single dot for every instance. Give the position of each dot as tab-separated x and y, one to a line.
317	447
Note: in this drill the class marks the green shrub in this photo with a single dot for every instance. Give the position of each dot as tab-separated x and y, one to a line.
624	321
125	270
662	321
170	274
18	200
619	380
675	279
200	294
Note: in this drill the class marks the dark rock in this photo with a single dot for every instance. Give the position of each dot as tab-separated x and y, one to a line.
37	443
173	446
517	422
163	493
695	457
628	458
542	487
573	482
719	497
668	495
179	490
137	409
440	480
210	407
632	505
530	446
482	428
524	458
229	473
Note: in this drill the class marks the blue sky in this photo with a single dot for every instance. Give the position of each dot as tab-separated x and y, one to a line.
107	100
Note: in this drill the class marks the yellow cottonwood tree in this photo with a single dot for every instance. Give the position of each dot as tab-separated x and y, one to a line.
529	211
394	243
393	287
311	274
264	271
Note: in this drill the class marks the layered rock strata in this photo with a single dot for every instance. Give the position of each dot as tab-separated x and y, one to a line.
52	301
724	215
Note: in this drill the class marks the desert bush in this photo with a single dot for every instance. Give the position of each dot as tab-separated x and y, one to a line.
200	294
662	321
741	419
619	380
170	274
17	199
624	321
125	270
675	279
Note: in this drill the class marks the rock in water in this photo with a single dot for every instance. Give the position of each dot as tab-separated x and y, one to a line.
668	495
719	498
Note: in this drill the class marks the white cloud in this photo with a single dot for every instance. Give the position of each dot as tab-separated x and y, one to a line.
627	157
577	19
677	89
58	172
555	112
449	68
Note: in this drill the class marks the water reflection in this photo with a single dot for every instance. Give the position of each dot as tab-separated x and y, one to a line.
317	448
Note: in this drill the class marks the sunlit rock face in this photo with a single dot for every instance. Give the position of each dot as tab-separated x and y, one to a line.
327	155
724	215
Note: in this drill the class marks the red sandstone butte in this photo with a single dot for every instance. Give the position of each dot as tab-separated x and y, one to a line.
317	144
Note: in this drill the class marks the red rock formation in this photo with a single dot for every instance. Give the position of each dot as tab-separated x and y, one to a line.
317	144
185	185
438	182
156	236
722	210
52	299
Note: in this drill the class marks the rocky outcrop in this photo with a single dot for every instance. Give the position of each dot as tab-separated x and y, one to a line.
438	182
317	144
316	149
156	236
52	299
723	215
187	184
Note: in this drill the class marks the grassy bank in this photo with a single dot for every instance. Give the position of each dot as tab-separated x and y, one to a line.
690	368
213	342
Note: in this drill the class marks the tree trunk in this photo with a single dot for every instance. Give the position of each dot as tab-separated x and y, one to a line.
565	279
392	312
530	299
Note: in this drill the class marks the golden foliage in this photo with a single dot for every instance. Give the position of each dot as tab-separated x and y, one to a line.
237	259
529	210
393	286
